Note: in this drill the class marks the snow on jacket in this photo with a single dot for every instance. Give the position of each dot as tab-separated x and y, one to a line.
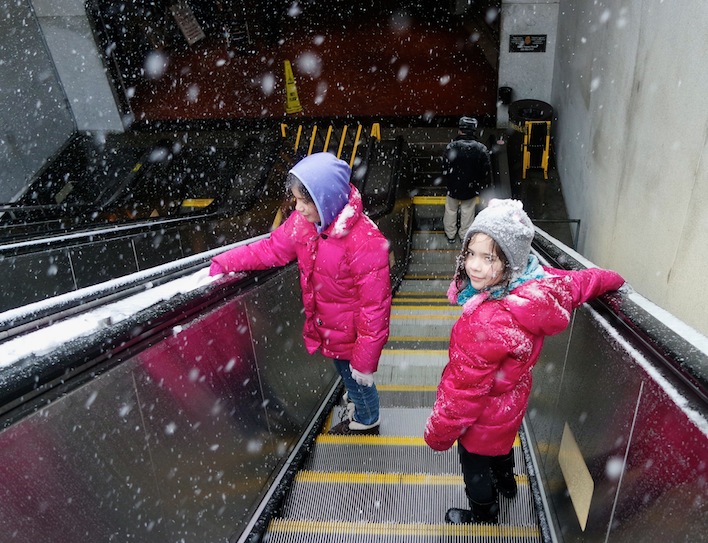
466	168
344	275
484	389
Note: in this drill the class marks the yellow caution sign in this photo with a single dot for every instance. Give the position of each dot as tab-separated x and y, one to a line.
292	102
376	131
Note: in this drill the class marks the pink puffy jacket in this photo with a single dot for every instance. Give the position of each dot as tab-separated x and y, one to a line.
344	275
484	389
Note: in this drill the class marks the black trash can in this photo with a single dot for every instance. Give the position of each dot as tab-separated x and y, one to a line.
529	110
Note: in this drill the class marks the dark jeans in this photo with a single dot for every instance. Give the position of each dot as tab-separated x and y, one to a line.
365	399
477	473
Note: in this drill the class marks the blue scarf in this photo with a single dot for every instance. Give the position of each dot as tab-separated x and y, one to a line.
533	271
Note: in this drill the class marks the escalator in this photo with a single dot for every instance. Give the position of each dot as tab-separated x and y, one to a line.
105	208
393	487
202	418
98	212
170	422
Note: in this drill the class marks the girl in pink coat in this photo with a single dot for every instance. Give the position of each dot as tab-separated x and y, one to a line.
509	304
344	276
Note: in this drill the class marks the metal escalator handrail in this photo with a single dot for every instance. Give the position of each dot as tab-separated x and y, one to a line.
94	233
684	359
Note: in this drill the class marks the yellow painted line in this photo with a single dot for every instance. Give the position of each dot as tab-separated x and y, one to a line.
398	300
376	478
429	200
418	338
414	352
396	441
429	298
197	202
422	293
360	478
426	317
383	441
407	388
447	307
420	277
413	530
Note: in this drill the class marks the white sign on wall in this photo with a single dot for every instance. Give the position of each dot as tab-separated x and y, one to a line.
187	22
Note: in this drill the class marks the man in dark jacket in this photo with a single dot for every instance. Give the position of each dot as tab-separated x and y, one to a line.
466	172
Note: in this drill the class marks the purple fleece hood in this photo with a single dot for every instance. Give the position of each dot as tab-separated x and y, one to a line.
326	178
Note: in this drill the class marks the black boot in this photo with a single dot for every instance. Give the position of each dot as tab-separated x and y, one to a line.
505	483
485	513
503	475
481	513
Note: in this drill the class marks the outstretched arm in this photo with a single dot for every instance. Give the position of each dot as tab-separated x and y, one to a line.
277	250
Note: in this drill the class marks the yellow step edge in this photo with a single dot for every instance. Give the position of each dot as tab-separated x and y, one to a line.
422	277
418	338
413	530
417	294
422	301
407	388
419	302
343	477
418	317
360	478
414	351
440	307
396	441
428	200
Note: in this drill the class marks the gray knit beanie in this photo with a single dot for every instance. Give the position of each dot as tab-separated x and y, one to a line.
506	222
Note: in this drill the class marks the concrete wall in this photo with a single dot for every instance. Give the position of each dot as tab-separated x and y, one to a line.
530	75
35	119
71	44
631	96
52	83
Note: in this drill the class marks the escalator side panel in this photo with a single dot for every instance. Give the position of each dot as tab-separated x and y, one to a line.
81	470
180	441
157	248
36	276
102	261
292	380
639	446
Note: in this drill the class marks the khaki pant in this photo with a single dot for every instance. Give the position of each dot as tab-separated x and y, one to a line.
467	212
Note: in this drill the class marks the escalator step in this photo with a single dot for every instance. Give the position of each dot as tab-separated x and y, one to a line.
389	498
292	531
